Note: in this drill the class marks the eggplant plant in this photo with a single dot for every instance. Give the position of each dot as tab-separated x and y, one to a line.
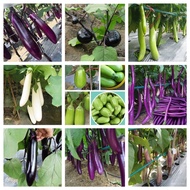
105	36
98	146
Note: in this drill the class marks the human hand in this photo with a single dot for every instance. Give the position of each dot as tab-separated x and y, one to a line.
42	133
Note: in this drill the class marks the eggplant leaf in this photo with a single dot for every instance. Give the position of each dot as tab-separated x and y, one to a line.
101	53
11	139
13	168
50	174
54	89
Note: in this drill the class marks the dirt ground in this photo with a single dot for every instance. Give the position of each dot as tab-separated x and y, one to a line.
74	53
72	178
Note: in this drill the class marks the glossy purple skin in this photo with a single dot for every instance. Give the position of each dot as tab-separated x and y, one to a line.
25	36
43	26
91	164
113	141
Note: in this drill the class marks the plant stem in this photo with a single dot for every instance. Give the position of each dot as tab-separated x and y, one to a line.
14	100
109	24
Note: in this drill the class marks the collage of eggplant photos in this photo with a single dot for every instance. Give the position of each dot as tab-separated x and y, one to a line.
60	88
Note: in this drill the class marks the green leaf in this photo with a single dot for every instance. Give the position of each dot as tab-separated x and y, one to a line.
73	42
11	139
77	135
68	69
22	180
161	68
50	174
13	168
101	53
74	95
47	70
95	7
54	88
142	141
163	138
70	144
136	179
131	157
87	58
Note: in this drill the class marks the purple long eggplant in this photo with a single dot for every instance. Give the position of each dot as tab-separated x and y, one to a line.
9	31
131	114
31	164
91	164
42	25
121	162
7	54
56	12
38	31
139	105
25	36
104	138
112	159
79	170
97	161
113	141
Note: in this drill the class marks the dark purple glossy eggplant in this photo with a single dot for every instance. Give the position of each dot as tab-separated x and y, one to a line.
58	137
91	164
104	138
79	170
45	148
97	161
43	26
38	31
10	32
112	159
79	149
25	36
7	54
113	141
121	162
31	164
56	12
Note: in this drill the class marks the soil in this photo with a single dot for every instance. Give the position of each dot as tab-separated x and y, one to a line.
72	178
74	53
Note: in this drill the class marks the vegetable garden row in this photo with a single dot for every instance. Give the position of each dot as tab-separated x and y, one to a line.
156	156
150	19
95	150
158	94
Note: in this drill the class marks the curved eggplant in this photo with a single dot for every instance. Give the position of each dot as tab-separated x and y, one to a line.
79	170
97	161
42	25
91	165
25	36
113	141
31	164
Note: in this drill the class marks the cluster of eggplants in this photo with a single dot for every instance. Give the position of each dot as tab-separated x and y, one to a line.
25	35
31	164
108	139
